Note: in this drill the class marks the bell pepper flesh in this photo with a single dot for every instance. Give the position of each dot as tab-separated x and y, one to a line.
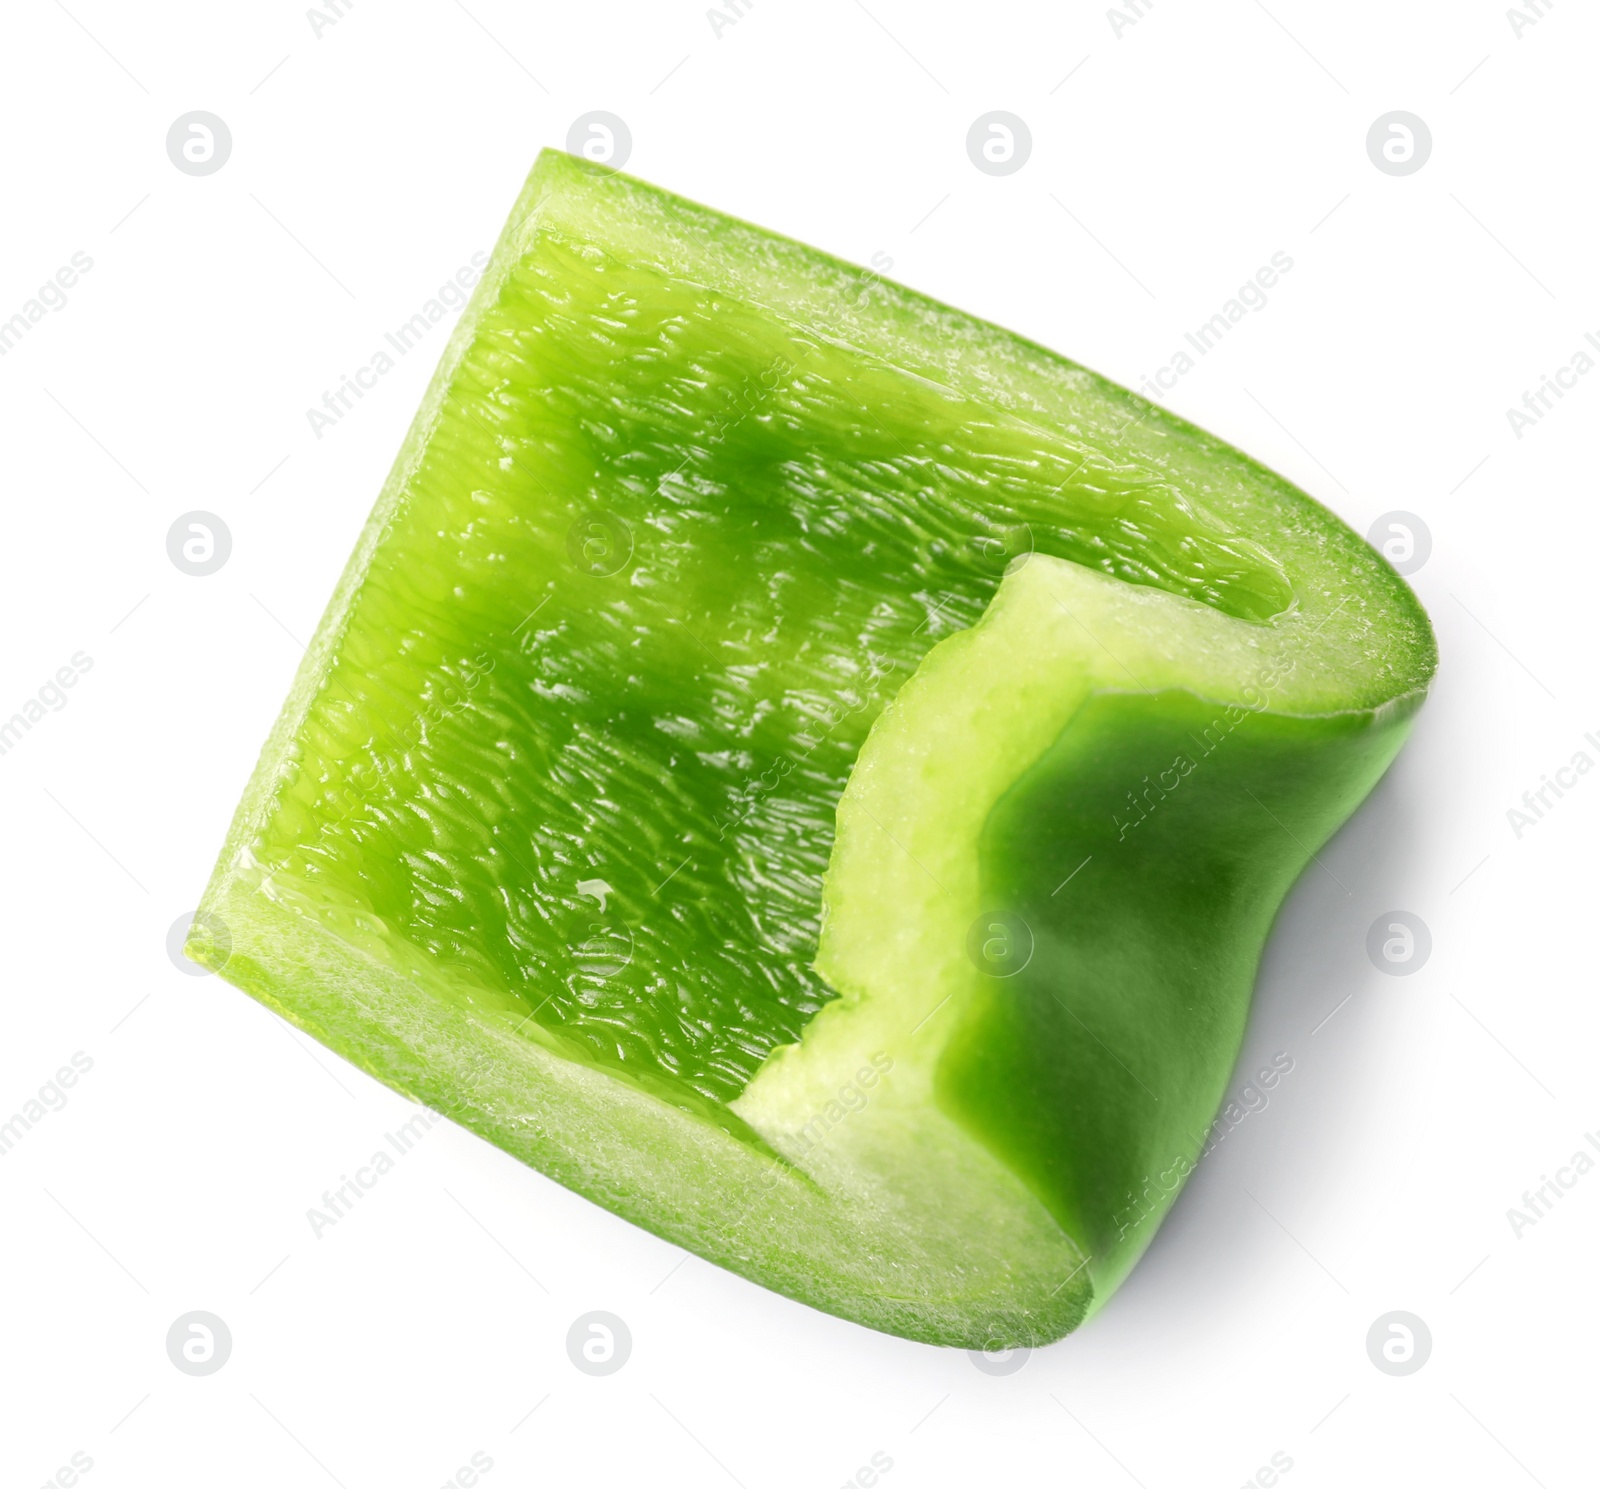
740	643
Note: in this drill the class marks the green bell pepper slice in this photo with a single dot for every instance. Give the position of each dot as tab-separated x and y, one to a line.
810	770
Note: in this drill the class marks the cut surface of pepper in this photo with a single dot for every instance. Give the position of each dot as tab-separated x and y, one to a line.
810	770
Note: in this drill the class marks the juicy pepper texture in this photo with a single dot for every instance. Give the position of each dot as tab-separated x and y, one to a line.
810	770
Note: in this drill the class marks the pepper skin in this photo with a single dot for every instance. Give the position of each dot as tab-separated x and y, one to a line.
810	770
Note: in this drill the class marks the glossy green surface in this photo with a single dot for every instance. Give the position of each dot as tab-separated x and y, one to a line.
1146	852
731	637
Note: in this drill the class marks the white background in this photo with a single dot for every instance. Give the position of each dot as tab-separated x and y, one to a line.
371	162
